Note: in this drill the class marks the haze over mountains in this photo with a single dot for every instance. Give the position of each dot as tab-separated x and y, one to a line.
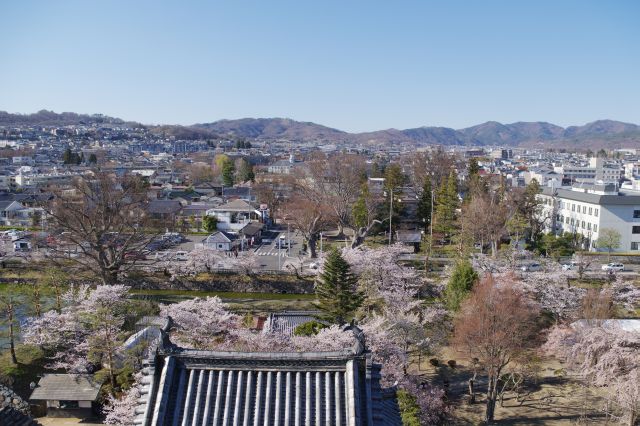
598	134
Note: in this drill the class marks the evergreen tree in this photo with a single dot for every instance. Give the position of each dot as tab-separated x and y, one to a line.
460	284
446	205
473	167
67	157
210	223
359	212
227	173
338	297
245	171
476	185
424	204
393	177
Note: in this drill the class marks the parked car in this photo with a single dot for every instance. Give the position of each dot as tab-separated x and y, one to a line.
181	256
613	267
572	266
532	267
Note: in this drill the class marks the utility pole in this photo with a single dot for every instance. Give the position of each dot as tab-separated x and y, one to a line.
390	213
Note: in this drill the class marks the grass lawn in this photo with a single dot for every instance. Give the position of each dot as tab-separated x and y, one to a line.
30	364
239	302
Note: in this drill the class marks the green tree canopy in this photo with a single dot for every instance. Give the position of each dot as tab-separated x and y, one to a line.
336	290
210	223
460	284
425	205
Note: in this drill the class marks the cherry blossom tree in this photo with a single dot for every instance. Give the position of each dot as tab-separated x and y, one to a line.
87	332
121	411
382	278
200	322
607	357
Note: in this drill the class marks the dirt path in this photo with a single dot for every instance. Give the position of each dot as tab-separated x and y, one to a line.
552	399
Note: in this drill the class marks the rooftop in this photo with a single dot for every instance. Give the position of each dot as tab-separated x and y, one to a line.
66	387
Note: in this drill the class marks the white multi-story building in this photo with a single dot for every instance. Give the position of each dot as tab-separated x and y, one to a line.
596	172
587	211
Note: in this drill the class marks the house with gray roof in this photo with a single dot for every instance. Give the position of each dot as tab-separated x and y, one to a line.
235	215
67	395
194	387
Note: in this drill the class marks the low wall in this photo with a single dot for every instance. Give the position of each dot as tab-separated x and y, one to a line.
240	283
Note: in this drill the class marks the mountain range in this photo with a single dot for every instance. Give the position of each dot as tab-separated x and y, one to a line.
598	134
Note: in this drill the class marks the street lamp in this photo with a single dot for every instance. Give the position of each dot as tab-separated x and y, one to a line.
391	191
281	239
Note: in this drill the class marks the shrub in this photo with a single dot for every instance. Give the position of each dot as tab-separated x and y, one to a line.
409	409
451	363
310	328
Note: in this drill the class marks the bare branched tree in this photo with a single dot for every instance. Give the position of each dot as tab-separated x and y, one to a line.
104	218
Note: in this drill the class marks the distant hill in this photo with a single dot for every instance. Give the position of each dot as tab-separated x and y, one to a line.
50	118
182	132
598	134
603	133
274	128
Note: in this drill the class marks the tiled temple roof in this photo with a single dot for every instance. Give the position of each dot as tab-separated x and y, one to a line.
286	322
189	387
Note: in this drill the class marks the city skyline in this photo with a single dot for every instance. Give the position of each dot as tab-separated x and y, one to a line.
356	67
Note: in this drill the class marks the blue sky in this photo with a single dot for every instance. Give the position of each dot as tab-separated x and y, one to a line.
354	65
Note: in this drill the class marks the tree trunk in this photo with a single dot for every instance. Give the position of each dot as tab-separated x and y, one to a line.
58	299
340	231
472	393
109	276
12	344
312	247
491	399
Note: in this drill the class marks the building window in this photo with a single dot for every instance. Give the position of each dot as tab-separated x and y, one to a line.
567	220
573	207
584	209
583	224
596	212
635	246
572	221
589	226
590	210
635	230
595	228
636	214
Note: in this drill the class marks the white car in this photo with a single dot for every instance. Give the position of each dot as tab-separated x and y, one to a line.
614	267
532	267
572	265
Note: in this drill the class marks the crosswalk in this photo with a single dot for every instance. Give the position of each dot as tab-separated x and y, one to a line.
271	251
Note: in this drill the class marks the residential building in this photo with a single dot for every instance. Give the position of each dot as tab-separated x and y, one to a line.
234	215
587	210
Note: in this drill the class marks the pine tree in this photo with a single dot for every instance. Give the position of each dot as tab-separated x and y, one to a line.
446	205
228	170
424	204
359	210
338	298
67	157
460	284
